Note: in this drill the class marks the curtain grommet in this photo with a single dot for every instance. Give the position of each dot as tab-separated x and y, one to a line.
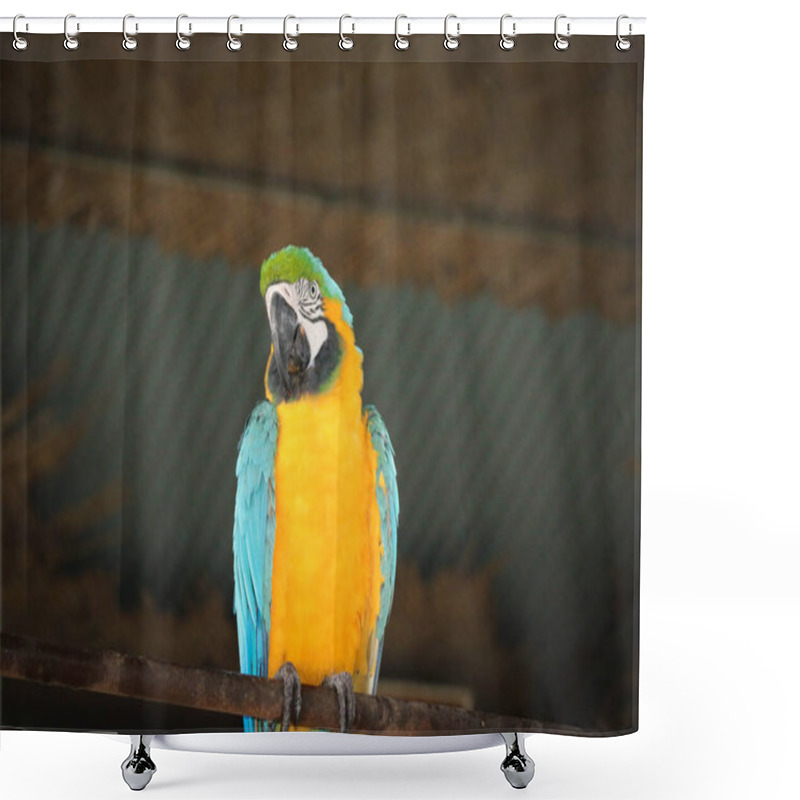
129	42
507	41
345	42
401	42
561	42
290	43
71	42
451	42
182	42
234	43
20	43
623	44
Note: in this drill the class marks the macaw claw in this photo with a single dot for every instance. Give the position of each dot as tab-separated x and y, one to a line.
292	702
342	684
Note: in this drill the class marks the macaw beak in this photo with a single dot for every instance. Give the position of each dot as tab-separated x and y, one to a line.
289	341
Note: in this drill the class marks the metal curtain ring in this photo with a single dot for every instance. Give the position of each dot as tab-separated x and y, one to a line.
345	42
289	42
623	44
20	42
129	42
182	42
507	42
561	43
70	42
401	42
234	42
451	42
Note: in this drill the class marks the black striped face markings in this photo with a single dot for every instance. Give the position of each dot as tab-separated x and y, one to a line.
309	298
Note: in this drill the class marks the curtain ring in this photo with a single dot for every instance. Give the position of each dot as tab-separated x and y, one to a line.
182	42
401	42
623	44
234	42
70	42
20	42
345	42
289	42
561	43
129	42
507	42
451	42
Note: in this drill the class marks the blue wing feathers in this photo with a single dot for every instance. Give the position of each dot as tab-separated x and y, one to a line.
389	508
254	541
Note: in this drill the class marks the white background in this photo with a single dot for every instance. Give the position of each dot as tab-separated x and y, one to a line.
720	693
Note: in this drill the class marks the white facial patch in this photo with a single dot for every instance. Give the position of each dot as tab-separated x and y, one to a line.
316	333
283	289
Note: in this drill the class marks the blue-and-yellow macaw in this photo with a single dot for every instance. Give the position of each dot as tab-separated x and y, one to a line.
315	519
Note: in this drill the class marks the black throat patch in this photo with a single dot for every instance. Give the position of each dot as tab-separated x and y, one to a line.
313	380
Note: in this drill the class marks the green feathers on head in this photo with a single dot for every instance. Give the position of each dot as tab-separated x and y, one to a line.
292	263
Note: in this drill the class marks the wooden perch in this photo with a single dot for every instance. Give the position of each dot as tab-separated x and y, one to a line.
113	673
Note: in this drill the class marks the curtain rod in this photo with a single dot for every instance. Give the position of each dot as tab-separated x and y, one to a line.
347	25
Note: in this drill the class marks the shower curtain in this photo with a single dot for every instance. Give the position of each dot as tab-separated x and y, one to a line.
320	357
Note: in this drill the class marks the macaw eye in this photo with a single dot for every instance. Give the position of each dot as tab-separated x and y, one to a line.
314	291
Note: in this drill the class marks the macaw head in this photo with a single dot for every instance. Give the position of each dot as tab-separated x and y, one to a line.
307	311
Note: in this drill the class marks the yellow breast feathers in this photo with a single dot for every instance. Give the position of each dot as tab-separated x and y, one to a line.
326	576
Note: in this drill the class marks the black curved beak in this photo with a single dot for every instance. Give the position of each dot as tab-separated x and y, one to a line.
289	342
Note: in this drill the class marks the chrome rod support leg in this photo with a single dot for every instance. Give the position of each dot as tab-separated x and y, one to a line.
138	768
517	766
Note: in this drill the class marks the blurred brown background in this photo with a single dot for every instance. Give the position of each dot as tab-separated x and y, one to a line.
483	219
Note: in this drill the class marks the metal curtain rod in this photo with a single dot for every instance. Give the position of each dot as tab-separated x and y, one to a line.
189	25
